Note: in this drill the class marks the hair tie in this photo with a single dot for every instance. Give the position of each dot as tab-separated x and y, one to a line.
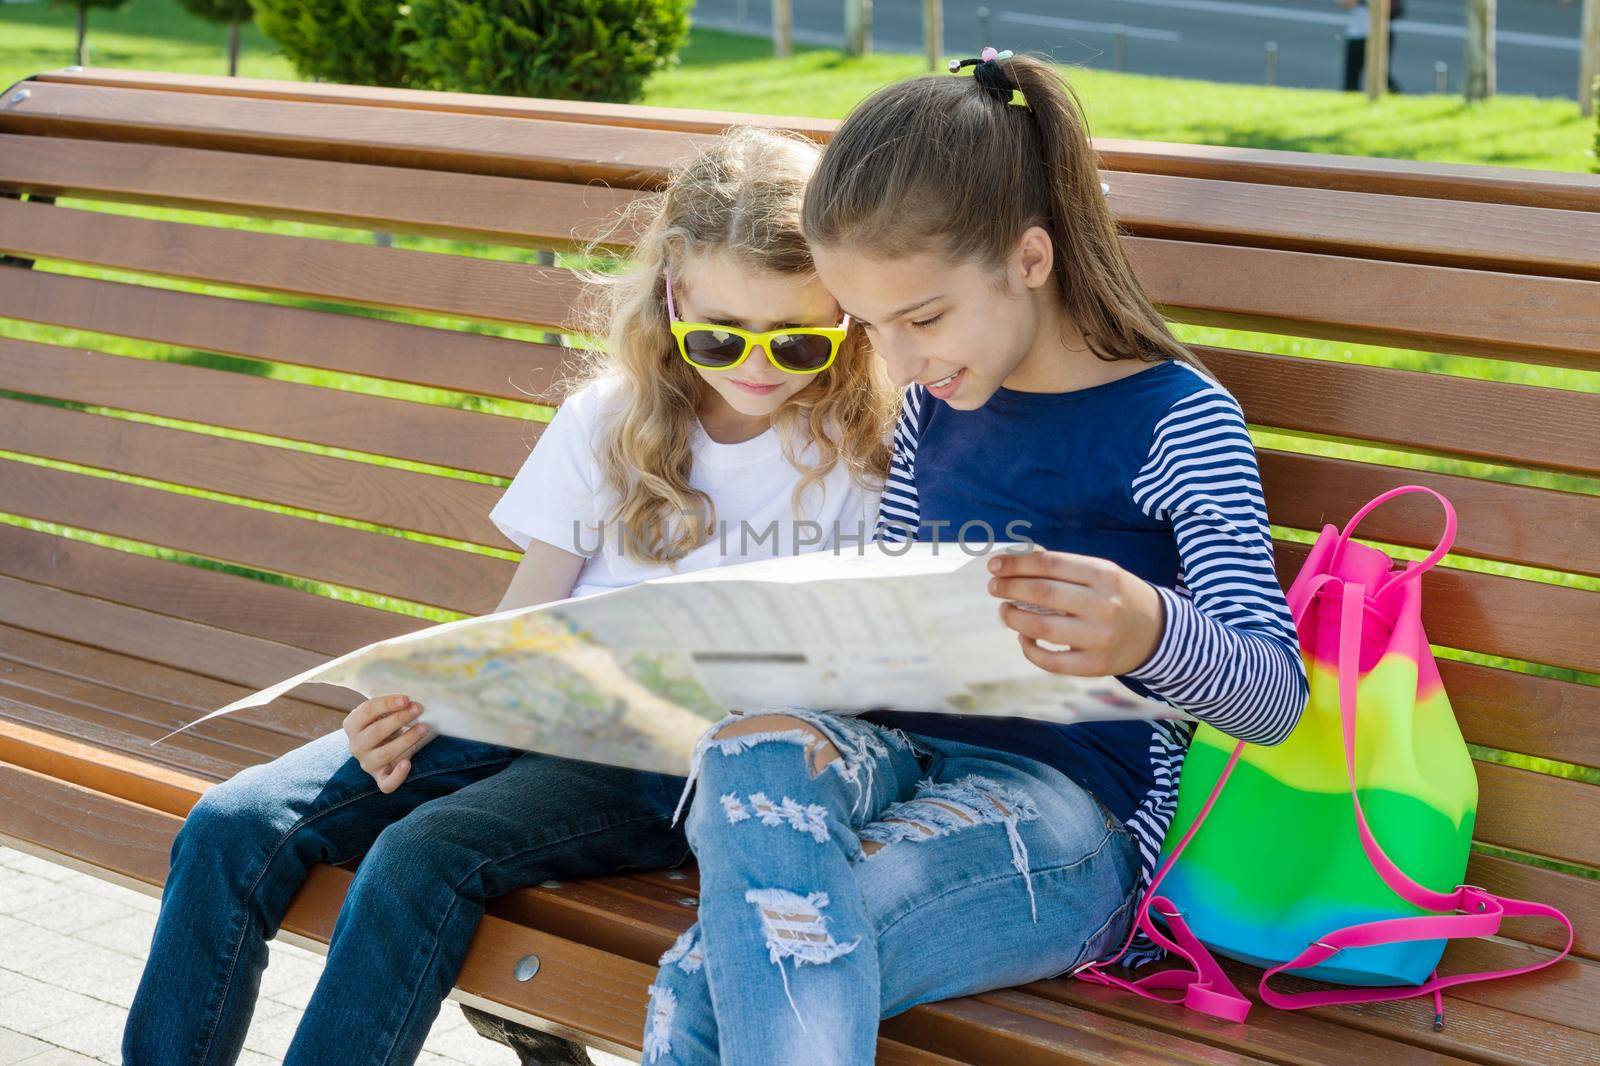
989	74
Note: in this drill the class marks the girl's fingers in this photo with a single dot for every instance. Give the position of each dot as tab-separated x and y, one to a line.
1060	596
1055	628
1070	661
392	777
371	710
393	749
386	726
1060	566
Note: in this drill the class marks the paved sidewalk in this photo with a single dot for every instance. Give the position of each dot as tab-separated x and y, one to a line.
72	948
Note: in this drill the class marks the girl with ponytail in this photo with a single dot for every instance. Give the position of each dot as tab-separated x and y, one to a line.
908	857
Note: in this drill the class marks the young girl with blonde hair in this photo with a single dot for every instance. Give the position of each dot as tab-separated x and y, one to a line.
732	416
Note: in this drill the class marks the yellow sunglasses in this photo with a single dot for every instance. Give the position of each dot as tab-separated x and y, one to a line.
799	350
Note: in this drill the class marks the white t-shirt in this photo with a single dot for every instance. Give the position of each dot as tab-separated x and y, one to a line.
560	496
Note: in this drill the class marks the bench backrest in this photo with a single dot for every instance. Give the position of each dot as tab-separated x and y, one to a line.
378	397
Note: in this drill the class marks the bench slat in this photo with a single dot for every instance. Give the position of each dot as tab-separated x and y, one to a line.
250	662
59	575
1446	309
372	562
1493	421
132	686
1522	712
431	282
1517	240
424	433
539	214
385	496
1538	813
1527	620
428	140
1512	523
1445	181
1575	896
355	344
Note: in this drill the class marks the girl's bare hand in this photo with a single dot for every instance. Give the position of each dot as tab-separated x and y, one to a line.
384	733
1107	620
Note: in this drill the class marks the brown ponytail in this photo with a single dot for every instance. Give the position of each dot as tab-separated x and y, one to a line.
941	164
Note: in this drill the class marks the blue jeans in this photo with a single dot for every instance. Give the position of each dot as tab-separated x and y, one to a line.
472	821
909	869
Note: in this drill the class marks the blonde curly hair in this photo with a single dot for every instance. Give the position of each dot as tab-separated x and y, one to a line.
740	196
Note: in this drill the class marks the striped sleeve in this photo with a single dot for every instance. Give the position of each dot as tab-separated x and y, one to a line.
898	514
1229	654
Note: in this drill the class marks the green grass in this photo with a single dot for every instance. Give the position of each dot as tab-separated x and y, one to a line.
725	71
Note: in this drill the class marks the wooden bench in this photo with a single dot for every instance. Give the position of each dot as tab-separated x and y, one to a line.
110	380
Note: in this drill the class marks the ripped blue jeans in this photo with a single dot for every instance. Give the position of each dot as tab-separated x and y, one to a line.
846	880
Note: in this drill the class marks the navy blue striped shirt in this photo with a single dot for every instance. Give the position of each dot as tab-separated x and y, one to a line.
1155	472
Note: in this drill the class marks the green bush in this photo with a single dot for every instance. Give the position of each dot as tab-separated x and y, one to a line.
564	49
353	41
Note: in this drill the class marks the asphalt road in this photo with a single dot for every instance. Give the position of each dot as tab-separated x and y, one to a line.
1219	40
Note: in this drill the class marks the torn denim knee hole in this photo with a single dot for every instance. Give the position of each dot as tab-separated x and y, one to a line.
940	809
686	951
658	1026
795	928
808	818
858	744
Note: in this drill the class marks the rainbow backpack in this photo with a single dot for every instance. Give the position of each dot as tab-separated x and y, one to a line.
1294	870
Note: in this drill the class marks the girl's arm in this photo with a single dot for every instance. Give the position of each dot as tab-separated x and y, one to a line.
546	574
1222	646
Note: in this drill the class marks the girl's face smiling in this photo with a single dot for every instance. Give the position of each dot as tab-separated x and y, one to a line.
721	290
961	329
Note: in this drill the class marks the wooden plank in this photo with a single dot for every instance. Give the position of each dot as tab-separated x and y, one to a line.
139	715
1397	177
354	344
428	140
1527	620
386	496
1364	225
1511	523
630	116
249	662
1445	309
245	536
69	759
1446	181
1524	713
425	433
126	685
432	282
1492	421
1577	897
1298	1039
183	753
537	214
1538	813
1563	994
292	626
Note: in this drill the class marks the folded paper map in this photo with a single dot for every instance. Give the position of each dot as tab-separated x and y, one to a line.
633	676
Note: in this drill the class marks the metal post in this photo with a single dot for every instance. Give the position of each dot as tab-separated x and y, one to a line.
1121	35
1378	49
1589	57
1480	49
743	10
1441	77
933	31
857	27
983	28
782	28
1272	62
